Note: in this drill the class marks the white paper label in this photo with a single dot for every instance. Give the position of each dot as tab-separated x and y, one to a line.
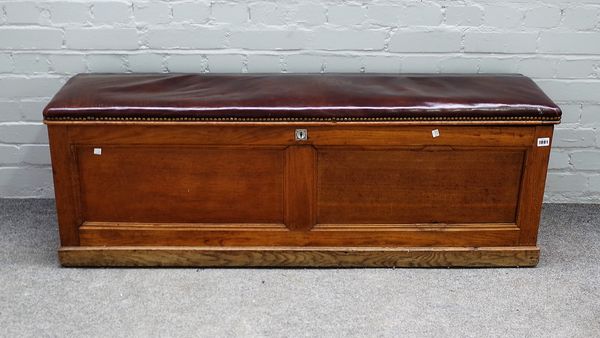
543	142
97	151
435	133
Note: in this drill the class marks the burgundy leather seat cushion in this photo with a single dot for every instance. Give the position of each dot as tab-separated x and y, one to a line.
301	96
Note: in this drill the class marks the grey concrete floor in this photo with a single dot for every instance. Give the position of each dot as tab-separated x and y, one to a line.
559	298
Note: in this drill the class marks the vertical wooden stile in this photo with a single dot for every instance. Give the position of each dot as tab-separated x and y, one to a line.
300	187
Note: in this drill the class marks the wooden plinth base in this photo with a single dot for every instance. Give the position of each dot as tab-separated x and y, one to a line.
298	257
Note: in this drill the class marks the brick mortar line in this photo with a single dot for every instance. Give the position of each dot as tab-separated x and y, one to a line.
291	51
37	75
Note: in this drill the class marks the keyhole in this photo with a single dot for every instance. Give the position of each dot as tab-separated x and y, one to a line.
301	135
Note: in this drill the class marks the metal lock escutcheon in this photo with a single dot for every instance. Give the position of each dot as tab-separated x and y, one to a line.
301	135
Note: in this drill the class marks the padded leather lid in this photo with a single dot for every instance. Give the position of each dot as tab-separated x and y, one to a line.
285	97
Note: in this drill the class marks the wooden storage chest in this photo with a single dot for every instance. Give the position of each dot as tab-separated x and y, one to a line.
299	170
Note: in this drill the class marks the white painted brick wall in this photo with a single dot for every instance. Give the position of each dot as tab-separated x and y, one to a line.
464	15
233	12
188	62
101	38
160	38
437	41
346	15
111	12
191	12
556	42
543	17
152	12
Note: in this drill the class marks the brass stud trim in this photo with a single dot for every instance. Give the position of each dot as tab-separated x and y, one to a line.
308	119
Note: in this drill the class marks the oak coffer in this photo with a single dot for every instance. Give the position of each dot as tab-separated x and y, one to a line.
299	170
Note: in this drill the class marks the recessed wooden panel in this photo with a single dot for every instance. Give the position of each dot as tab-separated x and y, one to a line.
181	184
401	186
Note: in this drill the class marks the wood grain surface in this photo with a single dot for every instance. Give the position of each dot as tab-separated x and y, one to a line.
432	185
181	184
299	257
300	199
250	235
